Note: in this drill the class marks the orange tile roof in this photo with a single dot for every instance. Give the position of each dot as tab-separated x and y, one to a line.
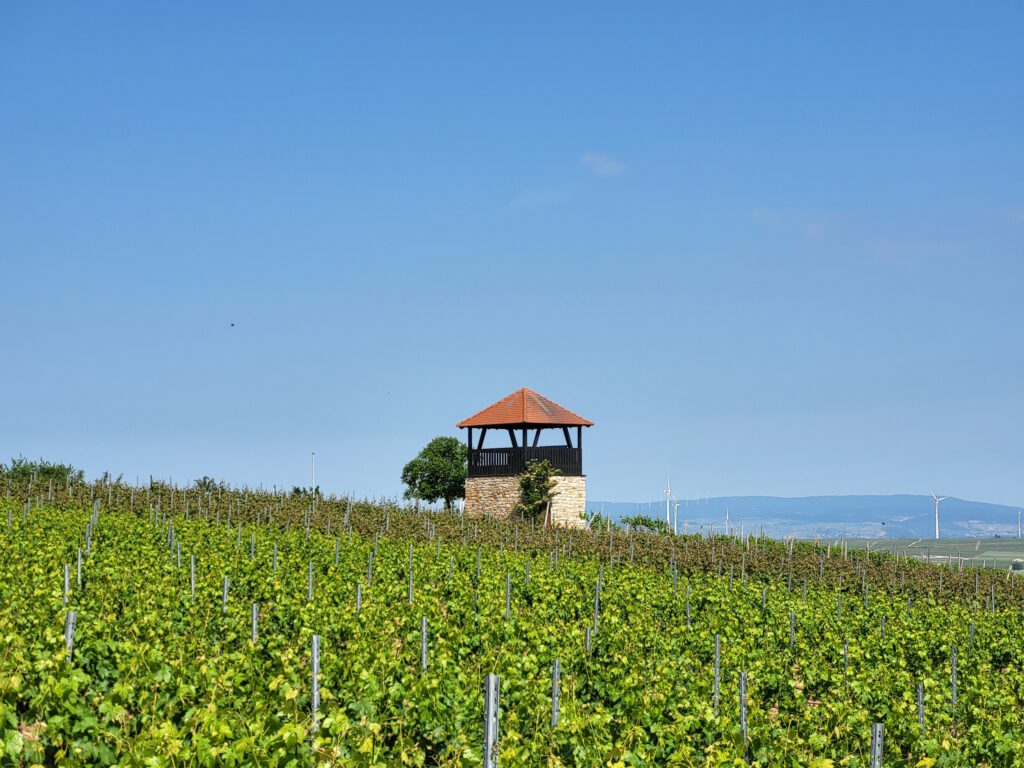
524	407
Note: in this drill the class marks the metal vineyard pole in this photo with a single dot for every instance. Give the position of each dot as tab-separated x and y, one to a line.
224	604
952	670
192	574
743	705
79	567
877	732
69	632
508	596
255	617
309	597
792	628
316	682
423	642
717	672
920	706
359	598
556	675
491	711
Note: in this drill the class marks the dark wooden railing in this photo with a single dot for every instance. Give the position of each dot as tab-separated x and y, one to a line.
503	462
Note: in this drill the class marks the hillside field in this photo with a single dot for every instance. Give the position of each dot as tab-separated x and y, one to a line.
196	612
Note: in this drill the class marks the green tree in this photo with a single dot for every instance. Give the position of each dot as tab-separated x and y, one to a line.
438	472
22	470
537	486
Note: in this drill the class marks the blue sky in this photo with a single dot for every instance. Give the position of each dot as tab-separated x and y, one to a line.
772	249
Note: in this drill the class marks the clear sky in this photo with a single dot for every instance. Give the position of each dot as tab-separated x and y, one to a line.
771	248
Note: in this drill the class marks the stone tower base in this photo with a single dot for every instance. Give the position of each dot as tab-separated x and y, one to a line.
498	497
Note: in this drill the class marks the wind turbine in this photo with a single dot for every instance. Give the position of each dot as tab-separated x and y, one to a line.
937	500
668	493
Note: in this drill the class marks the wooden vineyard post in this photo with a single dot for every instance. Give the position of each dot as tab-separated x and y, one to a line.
556	676
275	558
316	682
491	711
877	733
714	696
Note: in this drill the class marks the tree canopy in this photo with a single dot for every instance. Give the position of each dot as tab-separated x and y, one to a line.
438	472
22	470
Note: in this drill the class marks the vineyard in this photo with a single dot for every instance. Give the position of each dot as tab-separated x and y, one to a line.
163	626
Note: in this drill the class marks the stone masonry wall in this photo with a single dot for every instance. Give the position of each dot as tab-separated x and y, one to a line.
498	496
491	496
569	502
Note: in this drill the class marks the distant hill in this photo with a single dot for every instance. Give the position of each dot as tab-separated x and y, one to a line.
900	516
